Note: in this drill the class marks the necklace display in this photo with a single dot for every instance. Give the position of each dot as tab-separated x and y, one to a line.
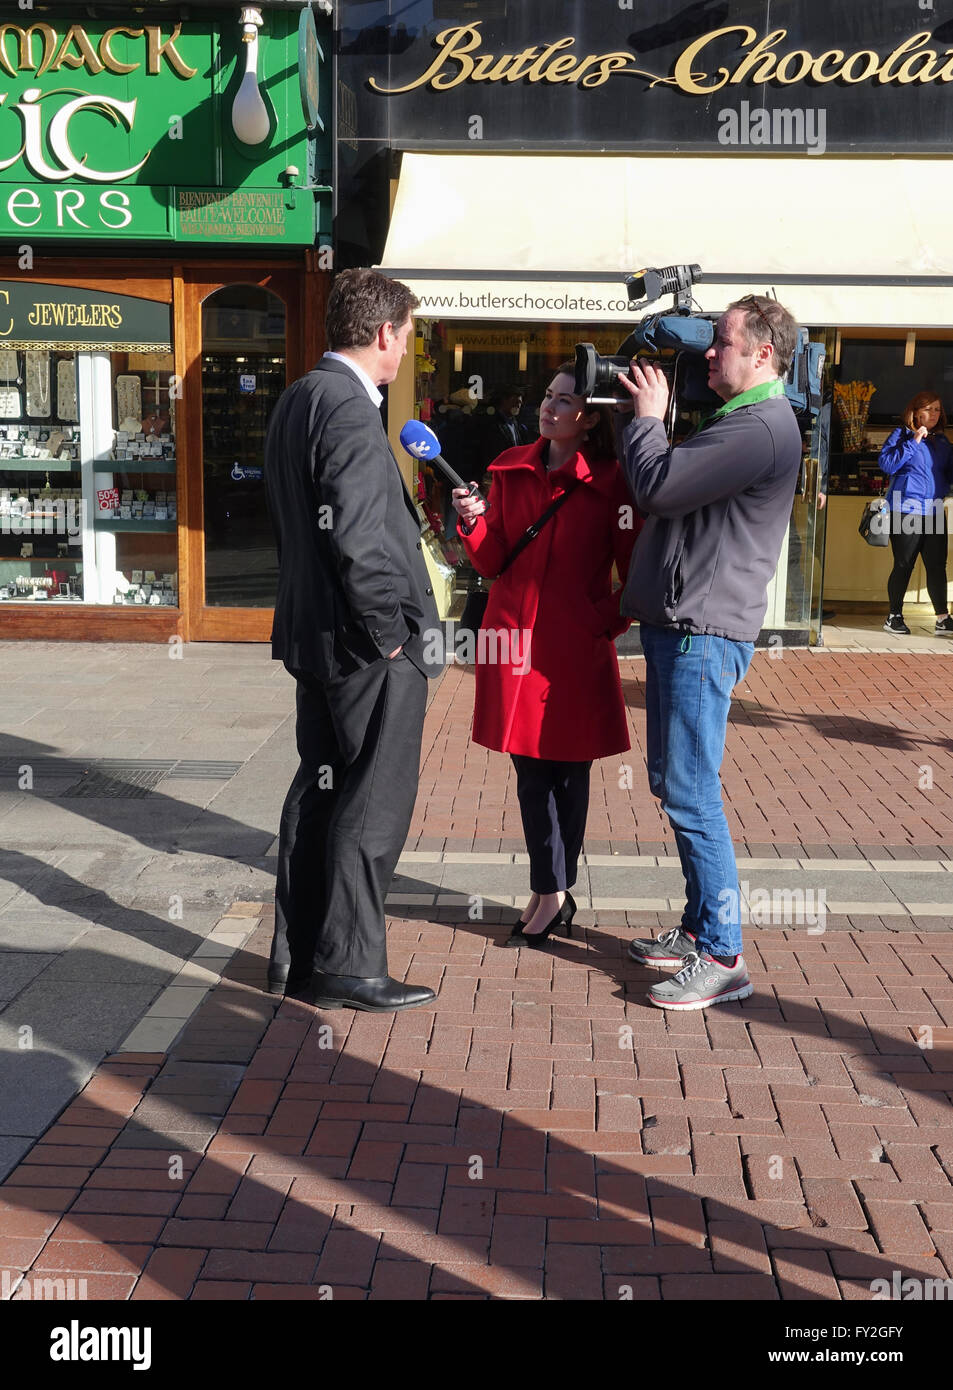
129	403
66	389
38	385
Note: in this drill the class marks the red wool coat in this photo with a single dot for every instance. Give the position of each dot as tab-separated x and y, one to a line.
565	702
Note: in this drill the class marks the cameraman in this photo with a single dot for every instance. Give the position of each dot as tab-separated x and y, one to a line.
717	508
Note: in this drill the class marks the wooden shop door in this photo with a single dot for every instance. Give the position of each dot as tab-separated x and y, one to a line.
243	346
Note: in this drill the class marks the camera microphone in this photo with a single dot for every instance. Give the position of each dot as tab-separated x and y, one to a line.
422	444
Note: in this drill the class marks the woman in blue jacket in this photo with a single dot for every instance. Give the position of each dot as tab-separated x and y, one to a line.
918	461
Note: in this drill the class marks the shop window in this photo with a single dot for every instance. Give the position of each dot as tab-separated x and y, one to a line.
41	495
87	478
136	518
243	374
479	387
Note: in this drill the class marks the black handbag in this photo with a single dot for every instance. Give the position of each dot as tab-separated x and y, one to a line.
875	522
474	610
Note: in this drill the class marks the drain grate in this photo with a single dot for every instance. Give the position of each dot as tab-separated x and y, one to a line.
134	773
207	769
137	782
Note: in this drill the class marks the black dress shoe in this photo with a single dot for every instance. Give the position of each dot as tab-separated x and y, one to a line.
379	994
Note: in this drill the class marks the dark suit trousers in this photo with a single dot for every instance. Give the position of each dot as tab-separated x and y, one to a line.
346	816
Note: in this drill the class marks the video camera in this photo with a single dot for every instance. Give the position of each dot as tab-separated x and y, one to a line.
689	335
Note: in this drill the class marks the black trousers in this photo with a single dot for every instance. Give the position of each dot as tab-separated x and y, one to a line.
554	804
346	816
906	546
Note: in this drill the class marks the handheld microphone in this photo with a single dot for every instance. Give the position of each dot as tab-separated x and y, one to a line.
422	444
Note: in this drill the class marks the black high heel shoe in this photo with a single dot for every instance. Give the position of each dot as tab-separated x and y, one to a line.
535	940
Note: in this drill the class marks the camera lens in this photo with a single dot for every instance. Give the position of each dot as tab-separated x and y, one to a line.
596	375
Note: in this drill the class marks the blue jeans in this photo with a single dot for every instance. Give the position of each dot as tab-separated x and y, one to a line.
688	683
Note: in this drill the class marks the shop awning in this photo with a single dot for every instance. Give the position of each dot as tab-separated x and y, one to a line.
845	242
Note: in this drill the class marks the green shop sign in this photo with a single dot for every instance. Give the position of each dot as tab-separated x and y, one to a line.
168	130
65	319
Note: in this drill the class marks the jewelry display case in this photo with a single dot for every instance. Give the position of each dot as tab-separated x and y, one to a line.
88	503
136	507
41	493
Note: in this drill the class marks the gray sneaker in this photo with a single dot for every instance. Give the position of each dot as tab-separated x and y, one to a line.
700	982
670	948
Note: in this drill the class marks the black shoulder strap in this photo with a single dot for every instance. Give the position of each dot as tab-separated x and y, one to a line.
533	531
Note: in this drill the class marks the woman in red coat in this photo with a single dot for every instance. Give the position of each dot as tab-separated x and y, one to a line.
547	678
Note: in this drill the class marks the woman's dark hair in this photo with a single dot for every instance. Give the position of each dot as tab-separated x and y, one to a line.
601	437
921	399
361	302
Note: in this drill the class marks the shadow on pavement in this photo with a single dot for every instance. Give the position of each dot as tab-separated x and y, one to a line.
849	728
307	1166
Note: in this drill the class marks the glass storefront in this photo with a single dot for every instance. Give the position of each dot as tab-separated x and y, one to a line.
87	477
132	432
479	387
877	371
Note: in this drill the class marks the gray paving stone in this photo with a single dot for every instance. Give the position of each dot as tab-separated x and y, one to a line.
85	1019
12	1149
201	1078
857	887
927	887
132	963
49	937
198	1113
637	882
153	923
241	1049
152	1035
178	1001
236	842
212	953
36	1084
136	1136
18	968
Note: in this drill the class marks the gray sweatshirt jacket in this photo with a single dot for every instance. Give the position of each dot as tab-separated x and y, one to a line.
718	507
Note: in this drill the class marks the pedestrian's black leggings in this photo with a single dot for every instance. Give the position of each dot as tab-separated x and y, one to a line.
554	804
907	543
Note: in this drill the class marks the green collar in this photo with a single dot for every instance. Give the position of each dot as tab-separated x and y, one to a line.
752	396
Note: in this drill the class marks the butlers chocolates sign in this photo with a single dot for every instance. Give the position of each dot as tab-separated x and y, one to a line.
805	77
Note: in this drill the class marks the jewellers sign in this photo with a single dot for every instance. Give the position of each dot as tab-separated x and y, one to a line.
61	317
128	129
806	76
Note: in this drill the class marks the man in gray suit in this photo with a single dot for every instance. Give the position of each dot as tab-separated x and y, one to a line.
352	619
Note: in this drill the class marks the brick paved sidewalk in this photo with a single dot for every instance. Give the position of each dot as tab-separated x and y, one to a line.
824	750
540	1132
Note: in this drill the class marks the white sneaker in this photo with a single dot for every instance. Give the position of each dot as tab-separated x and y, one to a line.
702	981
